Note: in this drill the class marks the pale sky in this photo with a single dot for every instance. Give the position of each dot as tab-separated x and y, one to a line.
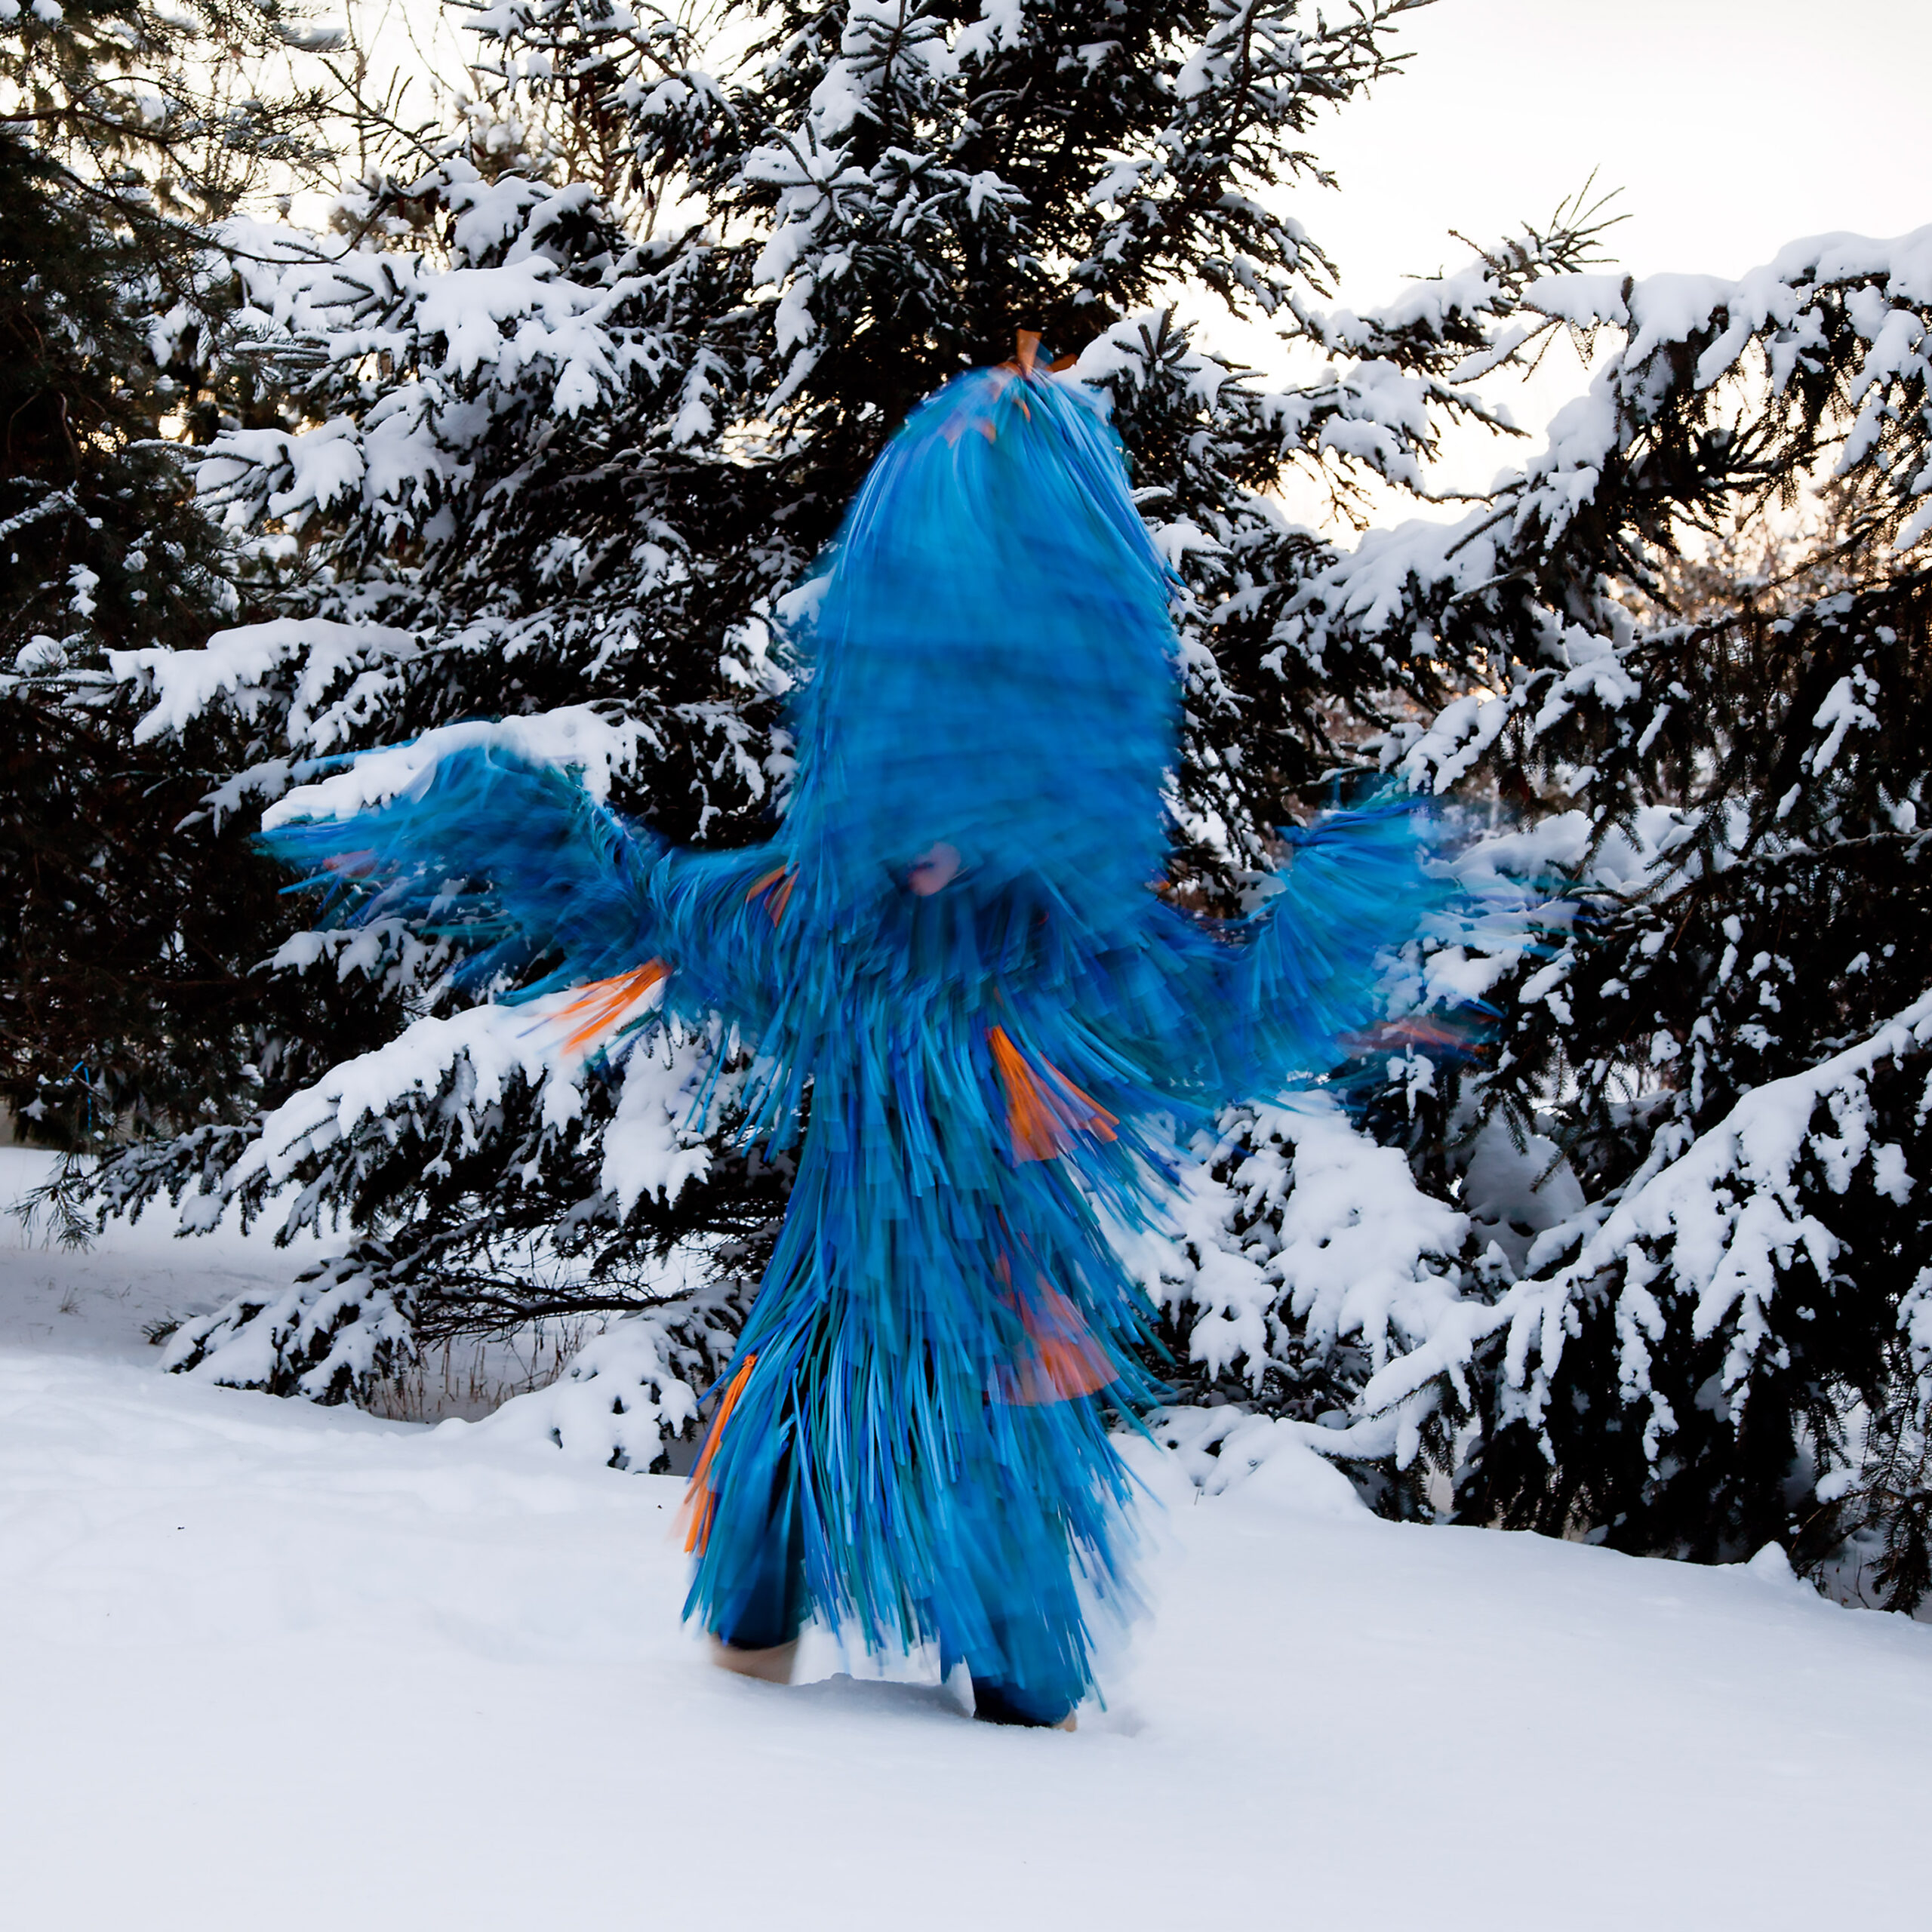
1731	126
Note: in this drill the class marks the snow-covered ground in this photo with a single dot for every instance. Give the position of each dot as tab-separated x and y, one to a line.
272	1667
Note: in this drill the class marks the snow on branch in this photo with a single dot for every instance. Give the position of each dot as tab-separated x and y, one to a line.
1714	1221
327	1337
1298	1234
1841	383
574	737
1843	305
634	1388
237	666
491	1045
445	1075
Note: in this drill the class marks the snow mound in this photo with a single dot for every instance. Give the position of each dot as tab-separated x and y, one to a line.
226	1612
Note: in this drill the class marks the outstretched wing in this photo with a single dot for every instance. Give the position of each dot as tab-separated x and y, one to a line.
1300	988
513	862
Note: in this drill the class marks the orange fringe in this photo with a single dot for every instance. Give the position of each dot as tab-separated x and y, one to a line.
700	1499
1043	1122
599	1005
1026	353
784	878
1067	1361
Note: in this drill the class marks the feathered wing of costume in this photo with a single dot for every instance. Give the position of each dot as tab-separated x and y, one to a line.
953	959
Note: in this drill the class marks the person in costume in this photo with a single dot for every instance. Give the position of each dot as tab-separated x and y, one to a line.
952	963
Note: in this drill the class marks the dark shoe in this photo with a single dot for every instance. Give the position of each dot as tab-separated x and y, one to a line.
992	1705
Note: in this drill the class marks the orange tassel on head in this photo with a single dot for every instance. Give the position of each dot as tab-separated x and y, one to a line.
599	1005
1045	1115
1026	354
1025	351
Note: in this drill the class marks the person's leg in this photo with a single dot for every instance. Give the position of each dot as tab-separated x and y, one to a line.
769	1663
1034	1673
762	1606
1007	1605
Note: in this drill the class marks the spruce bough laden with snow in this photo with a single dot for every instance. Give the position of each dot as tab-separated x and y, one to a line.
564	464
127	1003
1729	1050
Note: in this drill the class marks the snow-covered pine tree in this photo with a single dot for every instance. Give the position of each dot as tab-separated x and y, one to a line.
127	1004
583	390
1711	1330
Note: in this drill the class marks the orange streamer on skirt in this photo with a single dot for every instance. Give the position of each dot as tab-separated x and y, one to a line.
700	1498
782	880
1066	1361
1044	1119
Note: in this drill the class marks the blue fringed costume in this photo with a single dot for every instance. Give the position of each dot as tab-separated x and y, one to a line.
952	956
